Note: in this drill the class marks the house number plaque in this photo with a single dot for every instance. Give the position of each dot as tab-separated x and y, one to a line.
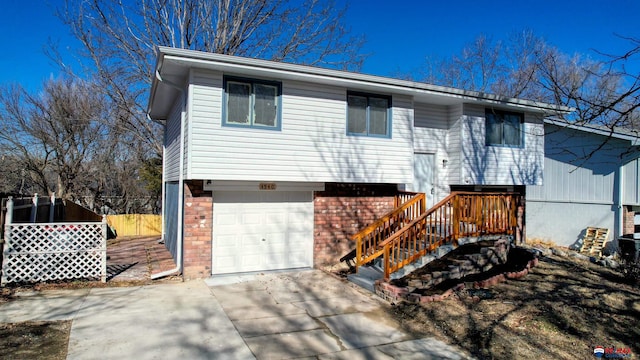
267	186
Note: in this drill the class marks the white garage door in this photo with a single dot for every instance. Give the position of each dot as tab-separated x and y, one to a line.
262	230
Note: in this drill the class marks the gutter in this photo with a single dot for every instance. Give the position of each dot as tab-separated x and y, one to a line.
180	232
239	64
620	227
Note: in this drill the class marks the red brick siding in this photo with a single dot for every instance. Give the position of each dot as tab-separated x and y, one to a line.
628	226
198	218
342	210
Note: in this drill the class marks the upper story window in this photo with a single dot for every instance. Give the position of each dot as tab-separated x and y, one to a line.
368	115
504	128
252	103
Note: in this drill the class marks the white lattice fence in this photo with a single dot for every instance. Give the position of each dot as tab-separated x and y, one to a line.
54	251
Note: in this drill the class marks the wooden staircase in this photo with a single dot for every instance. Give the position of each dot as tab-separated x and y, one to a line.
410	231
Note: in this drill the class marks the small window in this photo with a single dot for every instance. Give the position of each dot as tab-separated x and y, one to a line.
504	128
252	103
368	115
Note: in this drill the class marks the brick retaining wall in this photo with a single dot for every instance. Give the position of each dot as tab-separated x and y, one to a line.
628	226
342	210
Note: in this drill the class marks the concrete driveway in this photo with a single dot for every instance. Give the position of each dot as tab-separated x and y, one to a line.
304	314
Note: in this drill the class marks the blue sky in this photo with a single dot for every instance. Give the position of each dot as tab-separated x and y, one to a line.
400	34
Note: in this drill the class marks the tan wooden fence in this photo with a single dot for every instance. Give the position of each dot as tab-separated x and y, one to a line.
136	224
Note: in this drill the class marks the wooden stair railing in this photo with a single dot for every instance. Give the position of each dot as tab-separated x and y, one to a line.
408	207
461	214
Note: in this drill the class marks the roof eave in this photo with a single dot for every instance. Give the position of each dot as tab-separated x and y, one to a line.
304	71
634	139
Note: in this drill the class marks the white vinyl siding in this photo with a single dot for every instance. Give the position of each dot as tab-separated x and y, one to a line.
431	136
494	165
631	180
311	146
454	176
187	135
172	144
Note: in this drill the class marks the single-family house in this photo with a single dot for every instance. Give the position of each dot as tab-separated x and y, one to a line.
591	179
271	165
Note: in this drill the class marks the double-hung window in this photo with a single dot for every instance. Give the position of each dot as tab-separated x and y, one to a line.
252	103
504	128
368	115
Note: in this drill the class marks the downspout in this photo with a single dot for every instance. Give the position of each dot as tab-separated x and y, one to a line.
619	206
180	232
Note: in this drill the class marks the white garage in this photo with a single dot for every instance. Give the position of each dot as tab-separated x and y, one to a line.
262	230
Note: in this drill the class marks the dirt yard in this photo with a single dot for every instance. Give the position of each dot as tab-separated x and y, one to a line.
562	309
34	340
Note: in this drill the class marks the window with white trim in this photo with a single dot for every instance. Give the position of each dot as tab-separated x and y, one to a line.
368	115
252	103
504	128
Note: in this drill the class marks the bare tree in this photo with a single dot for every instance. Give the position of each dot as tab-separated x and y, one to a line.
525	66
119	39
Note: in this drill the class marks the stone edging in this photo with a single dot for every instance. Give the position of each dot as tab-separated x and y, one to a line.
396	294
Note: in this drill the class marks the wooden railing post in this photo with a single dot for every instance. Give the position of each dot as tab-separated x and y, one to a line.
455	217
458	215
387	263
358	251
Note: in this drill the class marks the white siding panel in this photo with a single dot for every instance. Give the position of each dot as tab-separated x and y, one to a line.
454	145
187	135
311	146
631	183
431	116
430	137
495	165
172	144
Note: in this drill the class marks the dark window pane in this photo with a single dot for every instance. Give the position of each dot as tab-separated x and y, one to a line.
357	114
265	106
238	102
511	129
378	112
493	129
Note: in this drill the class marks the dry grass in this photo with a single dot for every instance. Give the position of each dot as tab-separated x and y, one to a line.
541	242
35	340
561	310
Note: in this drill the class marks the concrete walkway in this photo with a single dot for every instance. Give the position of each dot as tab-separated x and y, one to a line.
306	314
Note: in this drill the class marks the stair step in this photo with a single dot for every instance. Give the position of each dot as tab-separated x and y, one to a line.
366	277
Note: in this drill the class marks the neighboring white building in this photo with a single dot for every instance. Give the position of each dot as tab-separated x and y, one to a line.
591	179
272	165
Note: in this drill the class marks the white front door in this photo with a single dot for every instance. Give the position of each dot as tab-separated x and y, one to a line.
423	169
262	230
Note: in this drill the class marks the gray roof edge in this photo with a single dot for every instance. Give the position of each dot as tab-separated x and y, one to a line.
154	81
624	134
303	70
